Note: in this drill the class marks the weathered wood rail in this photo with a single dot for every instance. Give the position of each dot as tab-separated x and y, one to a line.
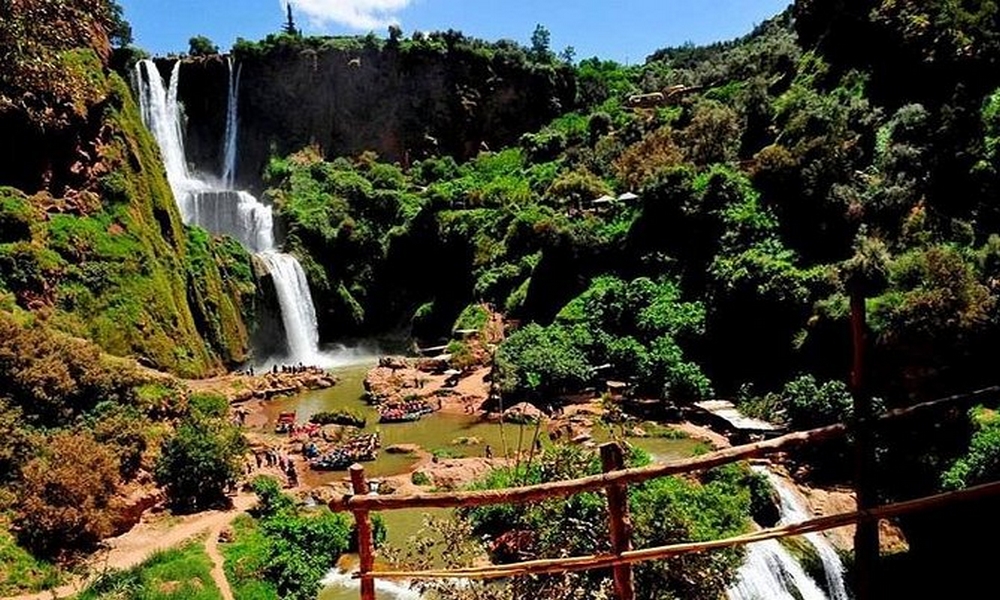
614	481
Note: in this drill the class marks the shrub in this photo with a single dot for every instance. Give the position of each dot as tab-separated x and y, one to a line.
199	462
66	498
340	416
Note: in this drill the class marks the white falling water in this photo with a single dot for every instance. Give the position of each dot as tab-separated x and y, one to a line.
161	114
298	317
234	213
222	210
232	124
771	573
384	590
792	511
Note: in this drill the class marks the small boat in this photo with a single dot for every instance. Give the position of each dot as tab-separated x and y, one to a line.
286	422
405	411
360	448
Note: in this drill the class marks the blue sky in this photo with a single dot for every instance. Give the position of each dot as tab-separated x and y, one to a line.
623	30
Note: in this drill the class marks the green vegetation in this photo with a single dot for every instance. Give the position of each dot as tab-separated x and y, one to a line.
200	45
200	461
341	416
663	511
176	574
22	572
284	552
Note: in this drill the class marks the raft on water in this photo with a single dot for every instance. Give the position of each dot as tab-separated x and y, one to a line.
361	448
403	412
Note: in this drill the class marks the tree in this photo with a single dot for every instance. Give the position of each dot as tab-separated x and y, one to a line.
540	40
541	360
289	27
119	30
568	54
199	462
200	45
66	496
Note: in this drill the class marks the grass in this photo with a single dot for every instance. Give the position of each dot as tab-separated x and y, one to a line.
244	561
21	572
177	574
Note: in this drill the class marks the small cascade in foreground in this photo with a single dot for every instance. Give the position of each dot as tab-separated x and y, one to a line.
384	590
769	571
223	210
792	511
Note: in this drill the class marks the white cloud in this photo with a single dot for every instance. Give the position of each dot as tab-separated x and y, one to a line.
357	14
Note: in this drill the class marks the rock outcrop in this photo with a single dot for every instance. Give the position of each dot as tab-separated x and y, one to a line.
402	104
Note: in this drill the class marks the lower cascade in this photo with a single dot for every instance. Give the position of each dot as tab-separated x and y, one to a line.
771	572
298	316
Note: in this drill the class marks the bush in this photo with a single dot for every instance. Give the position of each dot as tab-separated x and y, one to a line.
66	498
663	511
341	416
420	478
202	459
285	553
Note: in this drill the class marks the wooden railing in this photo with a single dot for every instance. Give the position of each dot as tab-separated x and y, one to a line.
614	481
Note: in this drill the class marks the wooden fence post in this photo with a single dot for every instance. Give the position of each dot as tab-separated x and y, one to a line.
621	525
366	550
866	535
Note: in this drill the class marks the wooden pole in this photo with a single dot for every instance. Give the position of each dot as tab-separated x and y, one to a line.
866	539
621	526
366	550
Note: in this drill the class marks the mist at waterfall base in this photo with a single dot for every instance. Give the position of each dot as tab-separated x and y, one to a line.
210	202
770	572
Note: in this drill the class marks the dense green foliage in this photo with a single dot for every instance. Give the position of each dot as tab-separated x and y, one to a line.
663	511
982	462
200	461
284	551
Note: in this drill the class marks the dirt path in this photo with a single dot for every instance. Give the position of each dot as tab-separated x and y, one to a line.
146	538
218	572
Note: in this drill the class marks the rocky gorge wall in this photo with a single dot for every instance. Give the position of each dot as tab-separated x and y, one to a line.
403	104
91	242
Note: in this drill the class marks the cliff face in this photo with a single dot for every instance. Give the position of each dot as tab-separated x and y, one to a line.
403	105
91	241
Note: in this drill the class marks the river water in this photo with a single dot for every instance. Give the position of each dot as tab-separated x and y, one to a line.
433	432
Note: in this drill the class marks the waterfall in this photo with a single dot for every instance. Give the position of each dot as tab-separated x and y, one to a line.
769	571
792	511
234	213
161	114
298	317
232	124
223	210
384	590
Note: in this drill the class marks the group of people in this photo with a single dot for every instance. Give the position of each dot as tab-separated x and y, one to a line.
272	458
